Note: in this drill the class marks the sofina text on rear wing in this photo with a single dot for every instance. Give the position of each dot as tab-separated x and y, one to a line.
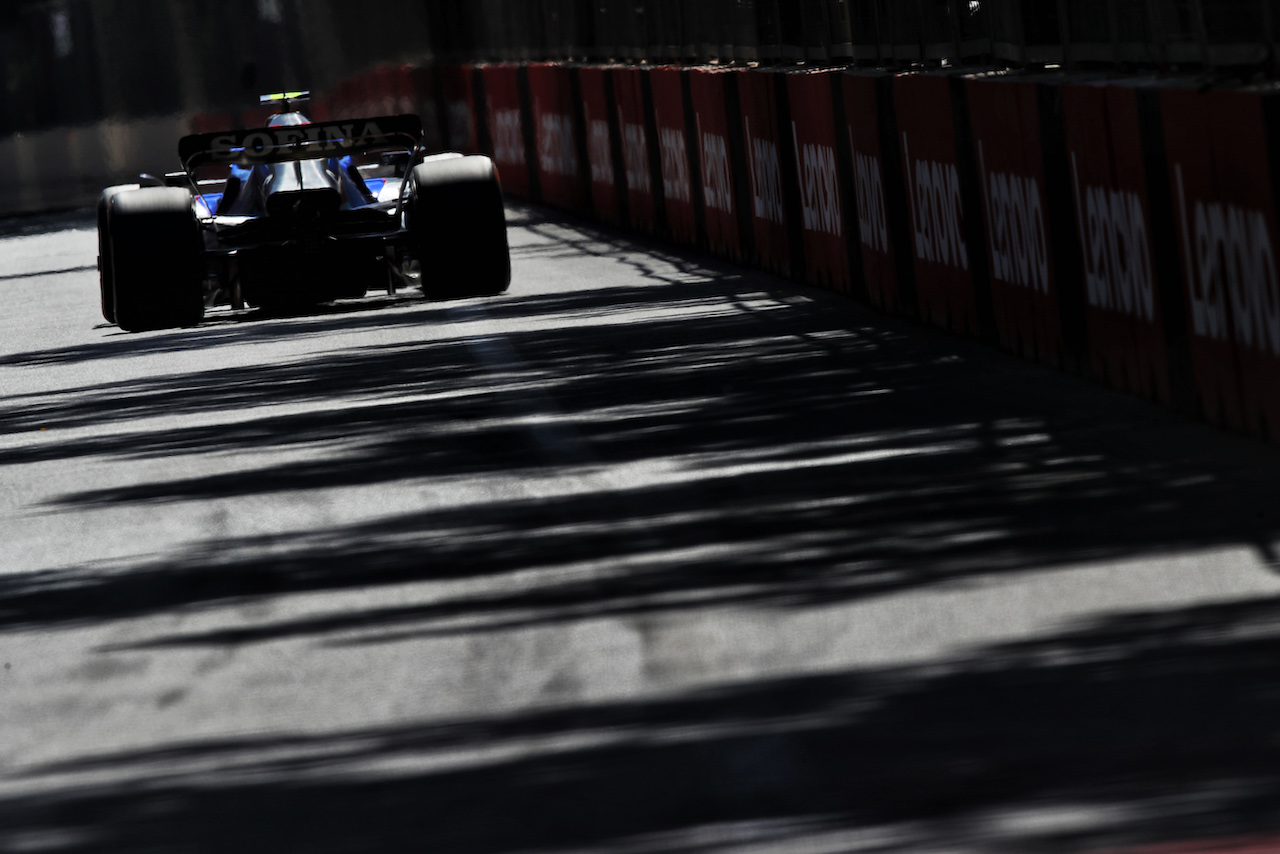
300	142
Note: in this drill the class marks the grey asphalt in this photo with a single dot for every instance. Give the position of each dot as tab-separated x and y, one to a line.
651	553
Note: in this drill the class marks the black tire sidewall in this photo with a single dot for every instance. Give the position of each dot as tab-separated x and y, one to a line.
156	263
457	225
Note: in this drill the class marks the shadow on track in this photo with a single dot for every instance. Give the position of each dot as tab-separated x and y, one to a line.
48	223
1136	728
36	274
784	455
788	451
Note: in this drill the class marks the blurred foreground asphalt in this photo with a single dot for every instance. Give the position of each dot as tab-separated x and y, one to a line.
650	554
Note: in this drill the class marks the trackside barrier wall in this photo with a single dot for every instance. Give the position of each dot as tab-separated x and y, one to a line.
680	206
459	108
638	148
1020	247
1130	223
887	268
558	136
1126	318
504	116
761	120
604	150
422	83
721	159
942	221
1007	207
1224	201
384	90
823	201
67	167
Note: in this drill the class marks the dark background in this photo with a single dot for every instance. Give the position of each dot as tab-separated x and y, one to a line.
75	62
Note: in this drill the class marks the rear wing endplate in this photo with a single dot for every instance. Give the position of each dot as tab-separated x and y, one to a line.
300	142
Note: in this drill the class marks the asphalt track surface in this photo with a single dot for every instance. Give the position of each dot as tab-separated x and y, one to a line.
650	554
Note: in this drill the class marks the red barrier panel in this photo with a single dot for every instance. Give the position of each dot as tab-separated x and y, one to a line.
213	122
760	134
931	178
1244	225
1227	233
1125	323
876	232
673	141
506	129
422	85
387	91
403	97
593	83
557	134
459	104
1005	121
1213	354
822	201
256	117
358	95
628	91
719	201
323	104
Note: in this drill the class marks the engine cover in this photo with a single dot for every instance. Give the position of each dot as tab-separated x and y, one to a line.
302	190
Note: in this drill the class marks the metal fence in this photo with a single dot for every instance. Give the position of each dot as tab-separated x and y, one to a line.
1148	33
68	62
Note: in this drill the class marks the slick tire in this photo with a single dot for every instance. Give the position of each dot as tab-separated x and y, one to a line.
106	278
154	246
458	227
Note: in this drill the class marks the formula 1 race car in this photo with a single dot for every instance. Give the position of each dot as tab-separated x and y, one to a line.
297	214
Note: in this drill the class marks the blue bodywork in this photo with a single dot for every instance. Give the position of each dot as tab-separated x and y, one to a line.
243	195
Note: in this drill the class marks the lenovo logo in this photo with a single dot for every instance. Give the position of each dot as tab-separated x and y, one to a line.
675	166
508	136
462	128
717	184
1016	232
1230	262
937	218
873	223
635	156
819	187
766	178
1117	252
598	152
557	151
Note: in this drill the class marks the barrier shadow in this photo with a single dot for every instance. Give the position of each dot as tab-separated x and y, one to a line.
729	447
714	442
1136	728
47	223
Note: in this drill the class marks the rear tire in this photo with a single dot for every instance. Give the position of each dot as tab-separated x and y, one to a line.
156	259
458	227
106	277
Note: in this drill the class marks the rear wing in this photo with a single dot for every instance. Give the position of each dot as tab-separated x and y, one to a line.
289	100
300	142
